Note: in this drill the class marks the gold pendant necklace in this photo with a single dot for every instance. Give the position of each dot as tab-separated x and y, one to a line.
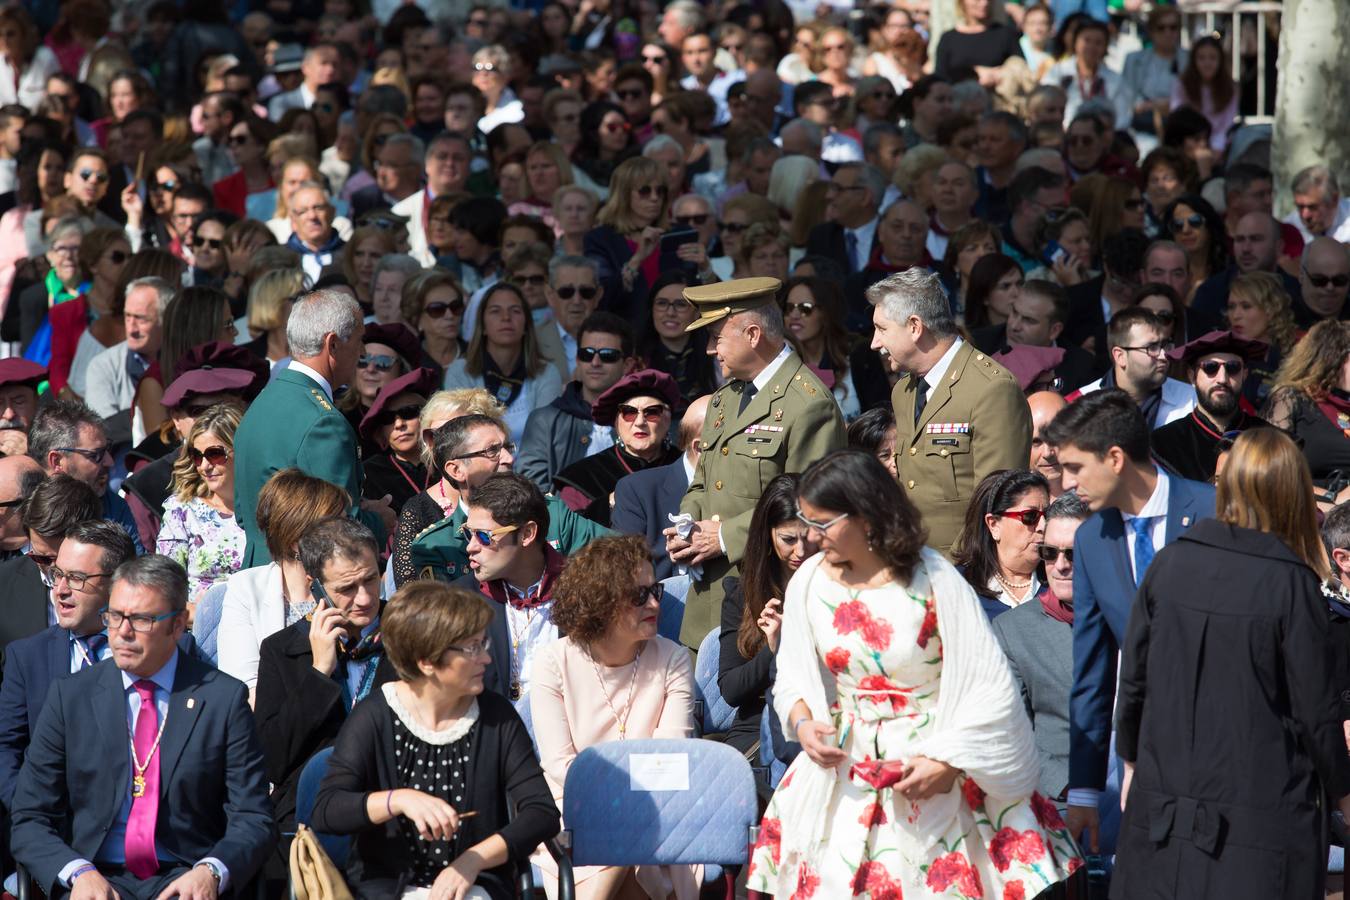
622	721
138	780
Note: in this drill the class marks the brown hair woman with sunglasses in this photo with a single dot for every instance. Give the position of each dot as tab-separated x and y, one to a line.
199	530
998	549
433	302
627	232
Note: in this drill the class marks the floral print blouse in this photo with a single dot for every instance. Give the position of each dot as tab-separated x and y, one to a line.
204	541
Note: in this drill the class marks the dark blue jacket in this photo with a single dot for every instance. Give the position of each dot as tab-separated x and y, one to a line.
642	503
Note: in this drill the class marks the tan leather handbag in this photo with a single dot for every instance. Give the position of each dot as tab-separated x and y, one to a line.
313	875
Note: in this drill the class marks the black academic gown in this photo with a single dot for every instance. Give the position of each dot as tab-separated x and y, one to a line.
1189	446
588	484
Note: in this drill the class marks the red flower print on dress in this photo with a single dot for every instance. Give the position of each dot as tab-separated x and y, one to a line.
837	660
951	869
873	815
929	626
771	836
850	616
1009	845
873	880
973	794
1075	863
881	689
1013	890
807	882
876	633
1047	816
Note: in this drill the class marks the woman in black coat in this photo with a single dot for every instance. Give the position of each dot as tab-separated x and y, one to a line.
420	753
627	236
1228	716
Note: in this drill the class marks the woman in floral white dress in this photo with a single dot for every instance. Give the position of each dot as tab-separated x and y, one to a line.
199	530
918	774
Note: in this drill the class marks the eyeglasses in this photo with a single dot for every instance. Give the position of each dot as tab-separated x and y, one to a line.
616	127
1050	553
1029	517
10	504
206	244
94	176
477	648
634	94
139	623
1233	367
380	361
648	189
485	536
438	309
95	455
647	592
732	47
216	456
698	220
822	527
735	227
665	304
606	354
1157	349
1194	220
117	257
531	280
649	413
567	291
806	307
410	413
492	451
66	249
1321	281
77	580
484	67
1080	140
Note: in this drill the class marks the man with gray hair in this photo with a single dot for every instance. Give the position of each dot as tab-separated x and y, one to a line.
681	19
773	415
849	231
114	373
293	421
312	233
958	415
1319	210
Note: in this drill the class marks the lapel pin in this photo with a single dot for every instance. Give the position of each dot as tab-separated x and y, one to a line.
192	701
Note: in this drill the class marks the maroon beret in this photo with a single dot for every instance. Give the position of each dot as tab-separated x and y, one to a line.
1220	342
217	367
421	381
1026	362
400	337
644	382
17	370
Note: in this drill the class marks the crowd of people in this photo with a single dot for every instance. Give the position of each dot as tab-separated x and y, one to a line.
429	384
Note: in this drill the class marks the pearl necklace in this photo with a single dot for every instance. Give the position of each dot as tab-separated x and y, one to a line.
1012	585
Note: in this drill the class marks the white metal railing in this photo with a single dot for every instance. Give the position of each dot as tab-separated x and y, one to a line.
1245	27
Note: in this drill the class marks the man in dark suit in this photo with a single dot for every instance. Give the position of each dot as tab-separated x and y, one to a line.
316	437
1256	248
184	807
1037	319
1102	443
849	231
77	640
311	673
644	500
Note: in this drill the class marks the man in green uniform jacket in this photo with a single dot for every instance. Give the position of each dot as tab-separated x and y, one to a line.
470	450
772	416
293	421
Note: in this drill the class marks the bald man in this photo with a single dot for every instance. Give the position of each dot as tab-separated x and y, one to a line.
1256	248
1324	275
644	500
1044	405
19	477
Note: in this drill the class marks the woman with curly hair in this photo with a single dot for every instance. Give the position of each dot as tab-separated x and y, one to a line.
919	772
1311	398
1194	224
1258	310
611	678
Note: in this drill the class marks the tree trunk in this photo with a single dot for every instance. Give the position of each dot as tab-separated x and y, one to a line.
1312	110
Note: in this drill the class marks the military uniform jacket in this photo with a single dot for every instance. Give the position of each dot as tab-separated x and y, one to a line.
790	423
439	552
976	421
292	423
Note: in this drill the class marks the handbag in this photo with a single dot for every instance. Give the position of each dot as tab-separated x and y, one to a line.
313	874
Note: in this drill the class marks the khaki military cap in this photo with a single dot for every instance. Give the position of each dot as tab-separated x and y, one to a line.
717	301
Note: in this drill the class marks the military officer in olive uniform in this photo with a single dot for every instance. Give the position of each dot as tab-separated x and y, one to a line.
772	416
293	421
958	414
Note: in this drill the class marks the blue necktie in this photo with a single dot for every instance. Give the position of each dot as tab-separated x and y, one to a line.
851	248
1143	546
93	645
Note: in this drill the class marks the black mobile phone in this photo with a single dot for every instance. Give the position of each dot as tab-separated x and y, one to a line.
671	242
324	600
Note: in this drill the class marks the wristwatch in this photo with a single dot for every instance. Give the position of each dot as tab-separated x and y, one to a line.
214	870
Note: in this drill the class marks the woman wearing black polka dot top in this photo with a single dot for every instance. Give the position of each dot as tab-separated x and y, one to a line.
421	770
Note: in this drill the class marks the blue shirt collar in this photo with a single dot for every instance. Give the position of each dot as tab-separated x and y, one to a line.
163	679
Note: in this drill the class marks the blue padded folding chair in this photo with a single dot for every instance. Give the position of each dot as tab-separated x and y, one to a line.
674	591
704	811
713	714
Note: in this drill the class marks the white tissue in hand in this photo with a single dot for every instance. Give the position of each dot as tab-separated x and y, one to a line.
683	524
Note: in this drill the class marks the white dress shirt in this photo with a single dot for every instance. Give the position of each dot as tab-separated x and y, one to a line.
297	366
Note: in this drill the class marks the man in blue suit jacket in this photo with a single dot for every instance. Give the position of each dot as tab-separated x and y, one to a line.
644	500
78	821
1102	443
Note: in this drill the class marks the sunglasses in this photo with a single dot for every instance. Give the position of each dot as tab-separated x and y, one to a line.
616	127
380	361
531	280
207	244
237	140
438	309
42	559
216	456
659	60
197	409
1194	220
1030	517
806	307
484	536
734	227
650	413
1166	318
117	257
695	221
567	291
96	177
410	413
630	94
646	593
1049	553
95	455
1321	281
607	355
169	186
1233	367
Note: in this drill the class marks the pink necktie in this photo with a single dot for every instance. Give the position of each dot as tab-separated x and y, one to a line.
142	861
